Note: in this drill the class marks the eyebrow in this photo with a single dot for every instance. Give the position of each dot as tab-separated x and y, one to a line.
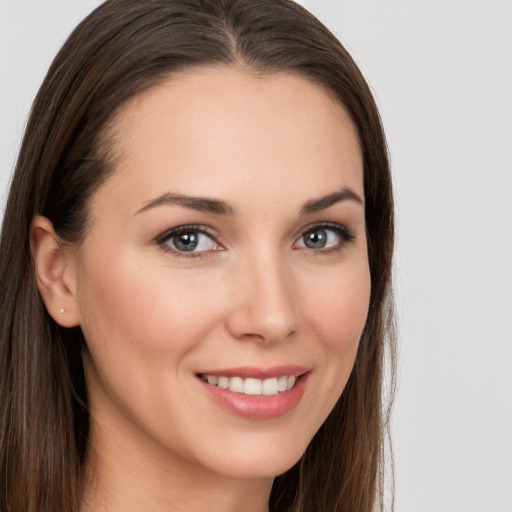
202	204
316	205
219	207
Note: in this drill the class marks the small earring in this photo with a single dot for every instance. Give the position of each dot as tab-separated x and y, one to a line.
61	311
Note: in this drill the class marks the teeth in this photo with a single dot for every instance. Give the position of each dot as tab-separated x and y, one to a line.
282	383
251	386
213	380
223	382
270	387
236	384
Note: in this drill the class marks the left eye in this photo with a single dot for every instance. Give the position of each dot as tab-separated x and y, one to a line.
322	237
190	241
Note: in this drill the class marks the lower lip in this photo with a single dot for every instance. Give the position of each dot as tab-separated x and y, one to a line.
258	406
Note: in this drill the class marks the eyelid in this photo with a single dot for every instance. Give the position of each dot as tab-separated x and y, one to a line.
347	235
162	238
199	228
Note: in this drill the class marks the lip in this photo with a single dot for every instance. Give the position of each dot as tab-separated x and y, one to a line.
258	406
254	372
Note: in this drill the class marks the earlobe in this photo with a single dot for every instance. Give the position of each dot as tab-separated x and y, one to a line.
55	273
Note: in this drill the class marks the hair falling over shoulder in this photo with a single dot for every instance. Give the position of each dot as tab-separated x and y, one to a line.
120	50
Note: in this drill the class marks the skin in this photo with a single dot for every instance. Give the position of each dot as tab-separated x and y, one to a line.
255	296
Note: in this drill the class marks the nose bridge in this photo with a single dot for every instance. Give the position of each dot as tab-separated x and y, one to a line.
264	306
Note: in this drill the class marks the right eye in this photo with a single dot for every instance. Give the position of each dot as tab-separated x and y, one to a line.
188	239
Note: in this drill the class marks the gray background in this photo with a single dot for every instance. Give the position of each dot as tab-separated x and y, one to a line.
442	76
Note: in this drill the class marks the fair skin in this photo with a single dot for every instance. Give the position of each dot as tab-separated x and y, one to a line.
264	281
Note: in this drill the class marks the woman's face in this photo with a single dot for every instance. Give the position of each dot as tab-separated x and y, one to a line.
228	246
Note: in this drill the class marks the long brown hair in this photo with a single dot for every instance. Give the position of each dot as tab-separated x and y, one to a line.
120	50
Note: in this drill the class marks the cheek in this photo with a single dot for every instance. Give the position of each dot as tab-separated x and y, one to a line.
339	304
129	309
140	323
338	308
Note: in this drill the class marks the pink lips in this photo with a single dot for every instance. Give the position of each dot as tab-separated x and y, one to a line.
258	406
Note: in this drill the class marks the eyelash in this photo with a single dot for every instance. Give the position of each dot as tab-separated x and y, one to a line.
345	235
190	228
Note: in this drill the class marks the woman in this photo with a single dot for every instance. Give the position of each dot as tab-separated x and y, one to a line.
195	266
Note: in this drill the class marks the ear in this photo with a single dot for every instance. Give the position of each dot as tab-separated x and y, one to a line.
55	270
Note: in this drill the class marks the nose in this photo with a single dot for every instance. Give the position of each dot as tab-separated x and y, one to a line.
262	306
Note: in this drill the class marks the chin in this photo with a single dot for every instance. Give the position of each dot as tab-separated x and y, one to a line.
257	459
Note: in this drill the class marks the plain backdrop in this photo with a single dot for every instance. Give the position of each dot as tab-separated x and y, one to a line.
442	75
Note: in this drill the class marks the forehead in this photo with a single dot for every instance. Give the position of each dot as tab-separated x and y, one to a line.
211	131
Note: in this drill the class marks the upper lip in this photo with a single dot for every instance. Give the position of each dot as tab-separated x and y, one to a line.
256	372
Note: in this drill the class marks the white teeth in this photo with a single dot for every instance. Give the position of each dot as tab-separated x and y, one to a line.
223	382
236	384
270	387
252	386
213	380
282	383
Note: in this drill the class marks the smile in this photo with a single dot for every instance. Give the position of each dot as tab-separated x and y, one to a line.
256	393
252	386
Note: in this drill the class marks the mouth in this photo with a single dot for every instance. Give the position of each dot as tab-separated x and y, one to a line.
252	386
256	393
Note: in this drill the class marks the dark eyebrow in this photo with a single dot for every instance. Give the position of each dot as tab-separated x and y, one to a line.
202	204
219	207
325	202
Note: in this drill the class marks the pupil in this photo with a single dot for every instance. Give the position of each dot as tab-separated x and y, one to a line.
186	241
316	239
